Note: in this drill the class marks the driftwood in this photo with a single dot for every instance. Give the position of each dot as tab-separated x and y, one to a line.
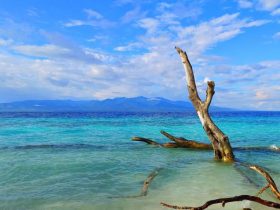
271	184
194	144
148	181
223	201
146	184
182	142
149	141
178	142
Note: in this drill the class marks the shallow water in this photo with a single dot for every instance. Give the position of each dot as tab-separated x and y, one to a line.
82	160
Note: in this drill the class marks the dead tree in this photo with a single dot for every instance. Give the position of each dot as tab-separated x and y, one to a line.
220	142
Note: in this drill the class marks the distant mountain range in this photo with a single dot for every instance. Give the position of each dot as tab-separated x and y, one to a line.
137	104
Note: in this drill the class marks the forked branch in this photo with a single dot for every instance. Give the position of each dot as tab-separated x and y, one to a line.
266	175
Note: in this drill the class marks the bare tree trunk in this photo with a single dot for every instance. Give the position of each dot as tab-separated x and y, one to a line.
220	142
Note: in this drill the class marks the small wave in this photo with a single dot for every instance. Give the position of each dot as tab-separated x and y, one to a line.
274	147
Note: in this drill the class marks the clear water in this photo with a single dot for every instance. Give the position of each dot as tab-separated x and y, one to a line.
80	160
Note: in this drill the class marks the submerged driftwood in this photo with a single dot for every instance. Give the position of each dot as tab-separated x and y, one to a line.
145	187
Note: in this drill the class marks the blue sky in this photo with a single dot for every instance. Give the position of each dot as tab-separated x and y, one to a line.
92	49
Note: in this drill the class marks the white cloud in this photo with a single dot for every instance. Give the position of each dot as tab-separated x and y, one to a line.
201	37
93	23
93	14
276	12
133	15
269	5
149	24
272	6
74	23
245	3
129	47
262	94
41	51
94	19
276	35
60	69
5	42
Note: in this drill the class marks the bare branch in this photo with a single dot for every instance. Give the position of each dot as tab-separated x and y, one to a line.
182	142
268	178
262	190
193	94
209	93
148	141
223	201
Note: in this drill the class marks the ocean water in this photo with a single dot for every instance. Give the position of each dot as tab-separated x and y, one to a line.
87	161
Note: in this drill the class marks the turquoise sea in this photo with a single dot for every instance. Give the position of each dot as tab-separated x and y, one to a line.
81	160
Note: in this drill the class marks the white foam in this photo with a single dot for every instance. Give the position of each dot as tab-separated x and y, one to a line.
274	147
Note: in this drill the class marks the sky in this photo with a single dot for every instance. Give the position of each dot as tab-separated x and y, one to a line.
93	49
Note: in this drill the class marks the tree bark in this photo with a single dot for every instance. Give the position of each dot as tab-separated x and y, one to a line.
219	141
